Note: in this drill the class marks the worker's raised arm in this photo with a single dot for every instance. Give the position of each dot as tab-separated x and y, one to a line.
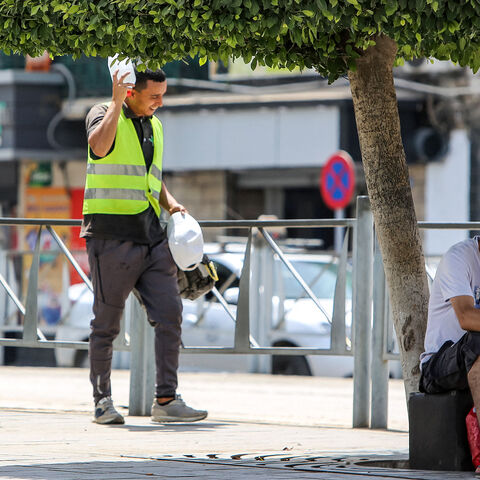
102	138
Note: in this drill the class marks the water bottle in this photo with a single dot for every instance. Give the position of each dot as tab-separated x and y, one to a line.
125	66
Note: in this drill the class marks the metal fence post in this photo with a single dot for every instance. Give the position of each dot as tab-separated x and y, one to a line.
255	297
120	340
338	336
362	312
242	324
31	303
379	409
264	294
142	361
4	298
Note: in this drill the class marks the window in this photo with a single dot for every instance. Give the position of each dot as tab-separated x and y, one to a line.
319	276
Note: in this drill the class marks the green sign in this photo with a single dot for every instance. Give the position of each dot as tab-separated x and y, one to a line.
41	175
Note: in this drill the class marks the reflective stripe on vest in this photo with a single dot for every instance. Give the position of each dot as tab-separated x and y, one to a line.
114	194
133	170
155	181
156	172
119	183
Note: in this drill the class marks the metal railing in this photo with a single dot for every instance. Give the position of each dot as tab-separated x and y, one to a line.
140	342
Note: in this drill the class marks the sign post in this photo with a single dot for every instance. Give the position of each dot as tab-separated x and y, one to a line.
337	185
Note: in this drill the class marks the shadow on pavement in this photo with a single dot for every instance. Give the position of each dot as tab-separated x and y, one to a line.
212	467
174	427
88	470
123	470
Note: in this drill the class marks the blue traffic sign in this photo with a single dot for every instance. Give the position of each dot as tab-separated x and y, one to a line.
337	180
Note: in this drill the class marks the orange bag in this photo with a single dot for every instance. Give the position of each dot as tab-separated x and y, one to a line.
473	434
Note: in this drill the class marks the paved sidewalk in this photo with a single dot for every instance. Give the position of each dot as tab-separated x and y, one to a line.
261	426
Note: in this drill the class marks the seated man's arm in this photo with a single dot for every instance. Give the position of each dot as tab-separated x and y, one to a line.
468	316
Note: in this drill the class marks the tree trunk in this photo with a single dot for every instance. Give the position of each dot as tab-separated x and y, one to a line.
388	186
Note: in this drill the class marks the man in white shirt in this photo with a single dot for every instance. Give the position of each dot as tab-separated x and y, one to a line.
452	341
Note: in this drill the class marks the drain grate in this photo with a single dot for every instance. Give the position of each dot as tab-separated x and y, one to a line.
371	466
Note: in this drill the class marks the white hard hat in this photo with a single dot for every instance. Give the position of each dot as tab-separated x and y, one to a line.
124	66
185	240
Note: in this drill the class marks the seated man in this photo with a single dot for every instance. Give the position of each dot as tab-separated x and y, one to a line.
452	341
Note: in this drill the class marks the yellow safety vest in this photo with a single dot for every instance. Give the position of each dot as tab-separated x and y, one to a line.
119	183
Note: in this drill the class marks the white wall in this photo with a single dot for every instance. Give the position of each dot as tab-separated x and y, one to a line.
447	191
231	139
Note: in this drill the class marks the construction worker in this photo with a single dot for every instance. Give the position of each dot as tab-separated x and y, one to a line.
126	244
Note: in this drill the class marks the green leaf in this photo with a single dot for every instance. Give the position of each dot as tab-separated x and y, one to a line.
391	7
328	15
121	28
308	13
453	27
475	62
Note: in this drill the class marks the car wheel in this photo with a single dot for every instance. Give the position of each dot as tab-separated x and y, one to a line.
290	365
81	359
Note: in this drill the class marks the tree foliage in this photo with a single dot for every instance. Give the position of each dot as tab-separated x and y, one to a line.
327	35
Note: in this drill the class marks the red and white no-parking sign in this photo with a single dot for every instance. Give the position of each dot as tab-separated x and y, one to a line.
337	180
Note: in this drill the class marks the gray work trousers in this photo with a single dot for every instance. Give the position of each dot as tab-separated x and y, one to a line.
117	267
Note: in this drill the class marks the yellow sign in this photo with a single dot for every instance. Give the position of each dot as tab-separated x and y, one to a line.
51	203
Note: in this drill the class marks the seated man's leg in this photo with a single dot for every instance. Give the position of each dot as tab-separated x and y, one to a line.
449	369
474	372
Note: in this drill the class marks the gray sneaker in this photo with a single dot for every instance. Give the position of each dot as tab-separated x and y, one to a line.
105	412
176	411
